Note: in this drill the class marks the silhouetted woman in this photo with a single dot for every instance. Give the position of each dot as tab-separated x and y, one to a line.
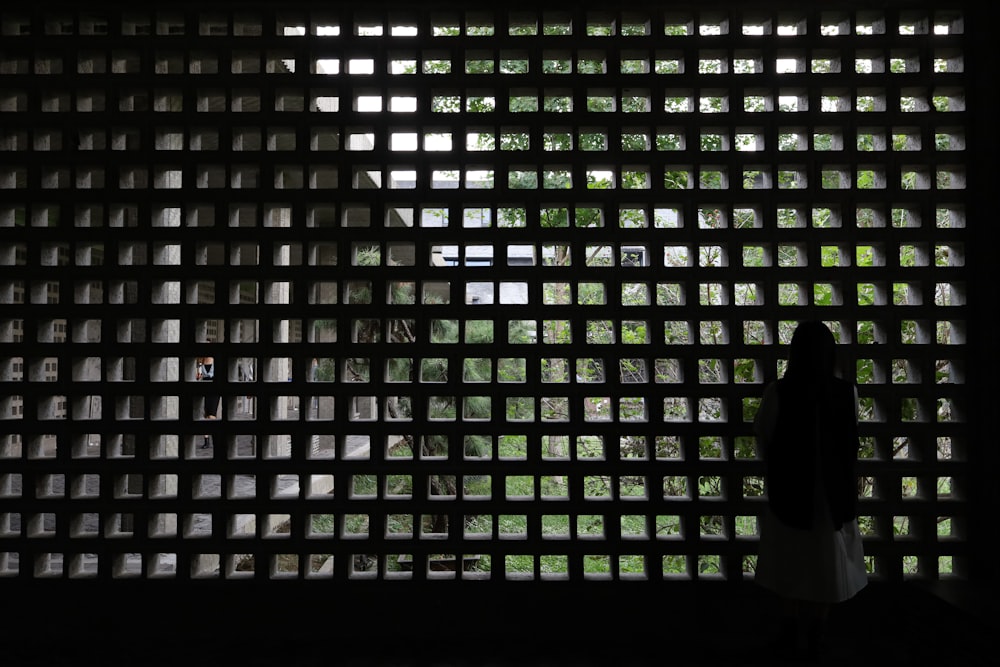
811	554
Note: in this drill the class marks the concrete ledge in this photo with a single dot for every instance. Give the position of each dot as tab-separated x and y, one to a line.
308	623
980	602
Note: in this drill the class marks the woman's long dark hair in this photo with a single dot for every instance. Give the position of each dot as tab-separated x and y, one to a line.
815	419
812	355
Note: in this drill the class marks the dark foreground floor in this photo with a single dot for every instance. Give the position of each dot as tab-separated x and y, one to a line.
705	626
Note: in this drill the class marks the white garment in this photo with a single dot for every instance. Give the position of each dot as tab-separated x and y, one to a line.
819	564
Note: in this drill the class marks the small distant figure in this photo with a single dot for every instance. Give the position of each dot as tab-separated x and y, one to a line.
206	373
811	553
314	377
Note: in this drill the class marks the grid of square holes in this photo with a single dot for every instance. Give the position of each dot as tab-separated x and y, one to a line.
488	295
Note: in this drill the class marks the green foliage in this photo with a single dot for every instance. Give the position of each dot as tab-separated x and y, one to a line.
487	369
